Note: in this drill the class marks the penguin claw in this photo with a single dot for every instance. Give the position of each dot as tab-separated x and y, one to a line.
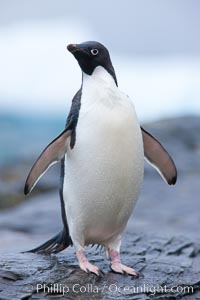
101	273
87	267
117	267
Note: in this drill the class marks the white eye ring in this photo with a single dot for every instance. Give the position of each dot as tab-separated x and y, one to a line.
94	51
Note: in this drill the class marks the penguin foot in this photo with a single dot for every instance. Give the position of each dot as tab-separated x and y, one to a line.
85	265
88	267
117	267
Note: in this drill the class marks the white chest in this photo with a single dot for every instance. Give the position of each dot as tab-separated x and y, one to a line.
104	171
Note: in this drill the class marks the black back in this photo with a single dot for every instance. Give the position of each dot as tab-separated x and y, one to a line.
71	123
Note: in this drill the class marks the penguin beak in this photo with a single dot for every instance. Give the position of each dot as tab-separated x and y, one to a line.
72	48
77	50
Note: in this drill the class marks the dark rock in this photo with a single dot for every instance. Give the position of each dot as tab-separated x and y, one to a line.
166	272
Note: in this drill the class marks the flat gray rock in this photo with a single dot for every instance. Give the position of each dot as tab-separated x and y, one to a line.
169	269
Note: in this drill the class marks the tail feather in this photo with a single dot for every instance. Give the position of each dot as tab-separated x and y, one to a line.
56	244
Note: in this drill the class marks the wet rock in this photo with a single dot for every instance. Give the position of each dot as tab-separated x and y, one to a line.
167	271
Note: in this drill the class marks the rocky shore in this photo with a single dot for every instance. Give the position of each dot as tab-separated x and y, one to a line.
161	241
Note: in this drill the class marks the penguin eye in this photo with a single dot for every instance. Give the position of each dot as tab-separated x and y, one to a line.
94	51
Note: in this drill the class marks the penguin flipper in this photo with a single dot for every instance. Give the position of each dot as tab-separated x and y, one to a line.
56	244
159	158
53	153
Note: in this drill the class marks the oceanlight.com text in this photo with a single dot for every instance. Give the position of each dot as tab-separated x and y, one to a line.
112	288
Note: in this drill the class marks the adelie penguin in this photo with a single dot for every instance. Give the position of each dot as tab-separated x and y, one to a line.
102	151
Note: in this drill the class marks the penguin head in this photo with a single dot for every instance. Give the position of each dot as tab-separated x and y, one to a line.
91	55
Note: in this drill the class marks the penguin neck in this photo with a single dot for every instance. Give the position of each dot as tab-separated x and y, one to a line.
99	79
97	88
